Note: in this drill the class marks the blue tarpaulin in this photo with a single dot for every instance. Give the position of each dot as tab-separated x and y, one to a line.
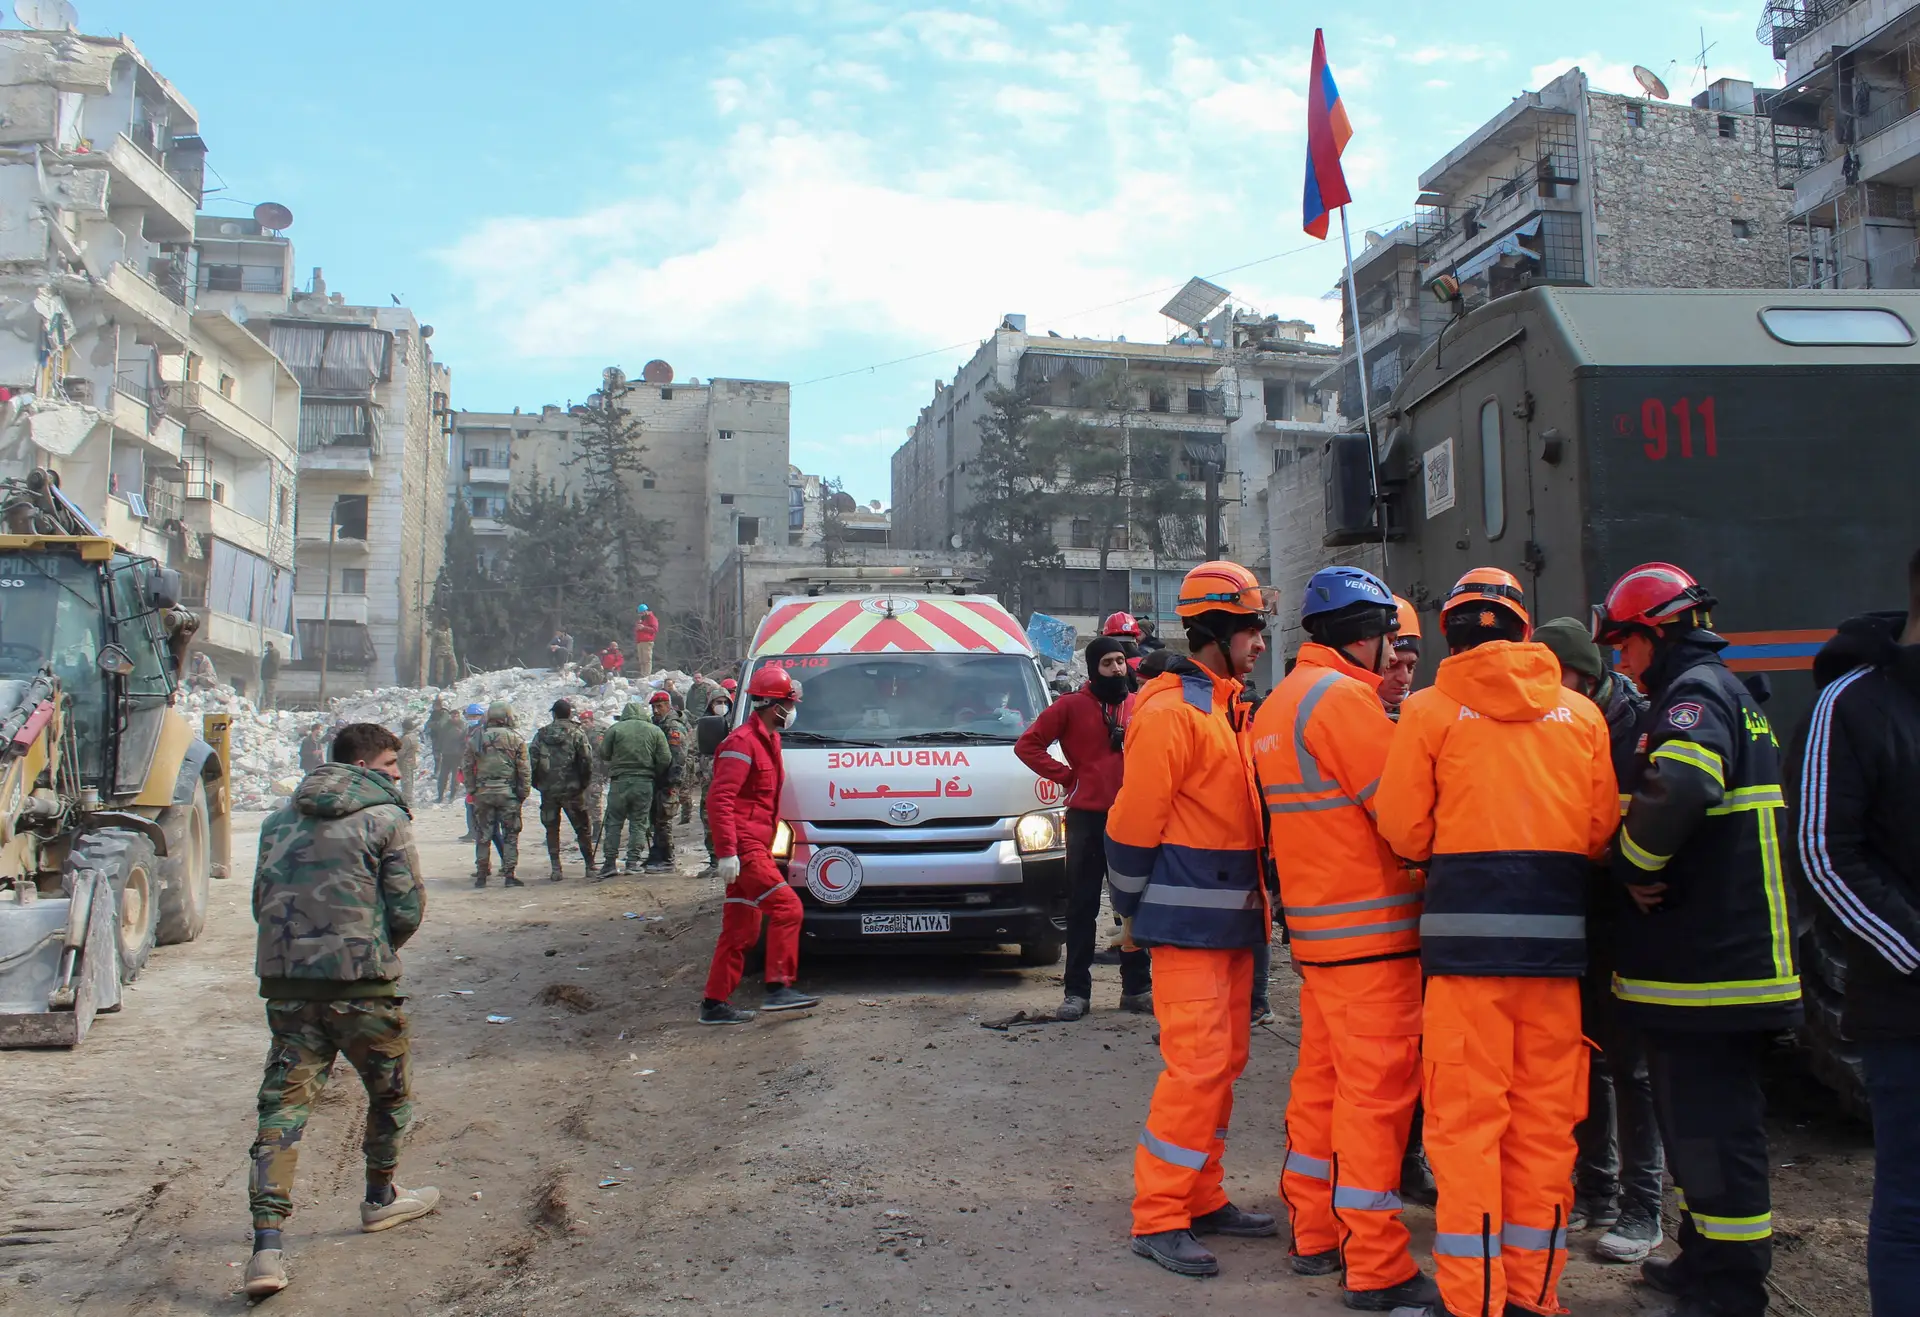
1052	637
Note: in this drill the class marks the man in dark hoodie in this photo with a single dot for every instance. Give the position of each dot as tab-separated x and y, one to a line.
1617	1183
1089	726
337	892
1854	777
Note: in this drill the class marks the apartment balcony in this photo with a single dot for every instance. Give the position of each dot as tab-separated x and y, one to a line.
494	476
346	607
341	459
139	179
490	526
237	636
1804	33
233	420
312	542
143	418
156	318
206	516
142	534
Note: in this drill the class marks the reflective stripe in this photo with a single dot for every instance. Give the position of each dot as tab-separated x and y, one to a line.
1366	792
1349	907
1465	1246
1361	930
1309	806
1201	898
1125	882
1746	798
1312	1168
1680	1196
1694	756
1750	992
1641	857
1773	878
1532	1237
1172	1152
1312	779
1366	1200
1737	1229
734	754
1564	927
1626	799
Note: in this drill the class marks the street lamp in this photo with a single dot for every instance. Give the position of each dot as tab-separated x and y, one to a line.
326	612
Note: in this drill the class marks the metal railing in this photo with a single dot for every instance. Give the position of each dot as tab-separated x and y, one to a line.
134	387
1878	121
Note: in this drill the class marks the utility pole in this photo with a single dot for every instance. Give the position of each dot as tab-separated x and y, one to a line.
1211	471
326	612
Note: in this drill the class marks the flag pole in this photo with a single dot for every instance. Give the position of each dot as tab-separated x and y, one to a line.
1366	394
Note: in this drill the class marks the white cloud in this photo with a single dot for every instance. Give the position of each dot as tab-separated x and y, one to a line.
1450	55
1602	74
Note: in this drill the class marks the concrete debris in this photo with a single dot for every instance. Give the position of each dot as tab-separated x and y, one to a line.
266	743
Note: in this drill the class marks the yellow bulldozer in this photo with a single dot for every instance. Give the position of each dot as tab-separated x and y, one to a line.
114	810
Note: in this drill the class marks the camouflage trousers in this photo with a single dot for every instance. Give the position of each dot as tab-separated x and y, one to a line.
307	1035
666	804
498	824
596	804
629	803
573	806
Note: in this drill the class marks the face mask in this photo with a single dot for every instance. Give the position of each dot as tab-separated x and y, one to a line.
721	710
1108	690
783	714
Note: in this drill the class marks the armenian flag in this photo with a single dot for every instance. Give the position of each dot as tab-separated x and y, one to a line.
1328	133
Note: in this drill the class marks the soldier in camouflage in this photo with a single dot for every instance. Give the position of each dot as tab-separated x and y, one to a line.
497	774
336	894
639	761
562	763
668	803
596	795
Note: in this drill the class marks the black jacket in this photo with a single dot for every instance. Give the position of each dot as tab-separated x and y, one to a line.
1705	819
1854	781
1624	707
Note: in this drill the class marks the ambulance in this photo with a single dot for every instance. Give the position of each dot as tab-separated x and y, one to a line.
907	821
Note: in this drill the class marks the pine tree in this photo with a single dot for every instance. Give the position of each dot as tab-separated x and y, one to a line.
471	599
610	456
1016	482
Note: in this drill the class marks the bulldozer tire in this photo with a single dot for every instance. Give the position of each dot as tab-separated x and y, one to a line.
186	874
1832	1057
127	859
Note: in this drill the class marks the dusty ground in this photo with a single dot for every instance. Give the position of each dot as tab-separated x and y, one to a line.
603	1154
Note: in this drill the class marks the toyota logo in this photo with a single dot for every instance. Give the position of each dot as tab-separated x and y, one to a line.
902	811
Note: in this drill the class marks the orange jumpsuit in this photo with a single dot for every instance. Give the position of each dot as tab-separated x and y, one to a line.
1183	861
1353	918
1503	783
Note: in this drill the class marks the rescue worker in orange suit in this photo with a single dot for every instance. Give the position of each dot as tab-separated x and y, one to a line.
1184	871
1501	782
743	813
1353	920
1705	956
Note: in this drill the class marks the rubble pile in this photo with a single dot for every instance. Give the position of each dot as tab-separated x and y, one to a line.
266	743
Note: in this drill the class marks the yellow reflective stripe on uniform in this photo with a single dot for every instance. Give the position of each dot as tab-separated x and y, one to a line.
1694	756
1741	799
1735	1229
1626	799
1747	992
1640	856
1773	877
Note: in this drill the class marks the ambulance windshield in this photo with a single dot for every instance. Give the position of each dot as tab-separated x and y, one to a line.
886	698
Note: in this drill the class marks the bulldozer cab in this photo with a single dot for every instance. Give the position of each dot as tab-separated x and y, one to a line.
94	613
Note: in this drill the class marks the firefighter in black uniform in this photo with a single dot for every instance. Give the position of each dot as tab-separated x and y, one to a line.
1705	967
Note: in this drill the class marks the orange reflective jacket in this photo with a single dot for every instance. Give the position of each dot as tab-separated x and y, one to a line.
1505	782
1183	836
1319	744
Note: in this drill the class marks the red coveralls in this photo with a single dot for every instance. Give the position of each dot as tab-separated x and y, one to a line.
743	809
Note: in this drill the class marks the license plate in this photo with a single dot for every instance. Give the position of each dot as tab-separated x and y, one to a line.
934	922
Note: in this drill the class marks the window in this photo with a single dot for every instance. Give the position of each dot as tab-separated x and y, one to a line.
350	516
726	434
726	500
647	483
227	385
666	395
479	457
1493	476
1276	396
353	580
1728	126
1836	326
749	531
1743	228
1197	401
1157	399
1636	116
1082	533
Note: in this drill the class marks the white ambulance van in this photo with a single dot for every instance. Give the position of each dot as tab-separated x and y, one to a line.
907	821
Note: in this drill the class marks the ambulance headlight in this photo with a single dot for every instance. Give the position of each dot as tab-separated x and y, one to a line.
1041	831
782	841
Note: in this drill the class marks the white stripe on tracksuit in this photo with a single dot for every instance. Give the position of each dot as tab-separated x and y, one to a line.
1852	911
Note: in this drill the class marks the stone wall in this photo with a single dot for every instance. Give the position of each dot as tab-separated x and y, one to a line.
1667	192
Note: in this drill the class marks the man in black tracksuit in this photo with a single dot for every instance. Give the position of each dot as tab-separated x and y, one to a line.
1705	960
1854	775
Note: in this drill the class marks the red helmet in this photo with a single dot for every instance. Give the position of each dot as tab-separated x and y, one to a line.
586	715
773	683
1120	624
729	685
1651	595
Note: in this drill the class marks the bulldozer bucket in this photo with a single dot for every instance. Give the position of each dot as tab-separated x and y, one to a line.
59	963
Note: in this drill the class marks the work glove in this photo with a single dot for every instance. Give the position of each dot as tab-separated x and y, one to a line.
728	868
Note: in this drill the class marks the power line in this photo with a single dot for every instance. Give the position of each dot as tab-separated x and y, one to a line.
1104	306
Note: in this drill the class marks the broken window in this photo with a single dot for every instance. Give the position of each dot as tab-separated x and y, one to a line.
749	532
350	516
1729	126
1276	396
1743	228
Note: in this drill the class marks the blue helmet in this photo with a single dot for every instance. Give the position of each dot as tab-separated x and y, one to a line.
476	711
1335	588
643	608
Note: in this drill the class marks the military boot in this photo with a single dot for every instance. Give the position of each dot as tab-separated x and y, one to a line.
554	874
508	880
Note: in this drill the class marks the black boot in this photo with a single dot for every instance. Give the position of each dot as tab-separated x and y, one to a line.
1315	1264
1235	1221
1179	1252
1418	1292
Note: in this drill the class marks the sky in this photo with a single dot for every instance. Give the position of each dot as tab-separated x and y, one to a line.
841	194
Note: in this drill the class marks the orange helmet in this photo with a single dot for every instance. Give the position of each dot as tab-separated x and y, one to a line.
1408	636
1651	595
1223	587
1488	586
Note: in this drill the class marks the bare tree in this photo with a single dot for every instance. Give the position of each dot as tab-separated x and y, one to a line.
834	502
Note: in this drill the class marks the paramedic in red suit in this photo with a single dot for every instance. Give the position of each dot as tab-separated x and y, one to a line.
743	810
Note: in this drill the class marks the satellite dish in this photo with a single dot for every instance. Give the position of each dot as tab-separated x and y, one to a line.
46	15
1650	82
272	215
954	540
657	372
1194	303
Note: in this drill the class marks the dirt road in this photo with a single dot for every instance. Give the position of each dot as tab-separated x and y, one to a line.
600	1153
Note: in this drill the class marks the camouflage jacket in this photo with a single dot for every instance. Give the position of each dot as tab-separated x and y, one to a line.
337	891
634	747
561	758
409	755
496	766
679	743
